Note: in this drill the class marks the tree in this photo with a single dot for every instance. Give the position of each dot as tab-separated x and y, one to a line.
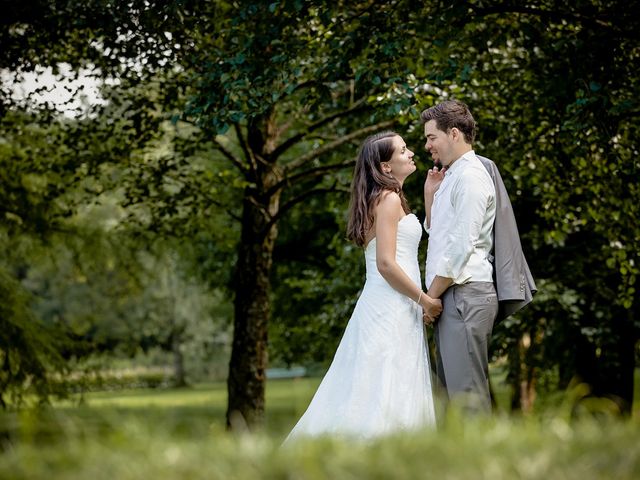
291	88
30	351
49	163
280	148
276	109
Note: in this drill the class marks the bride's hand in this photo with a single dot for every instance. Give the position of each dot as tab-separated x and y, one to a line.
431	309
433	180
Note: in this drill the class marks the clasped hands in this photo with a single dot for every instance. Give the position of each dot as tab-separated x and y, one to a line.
431	309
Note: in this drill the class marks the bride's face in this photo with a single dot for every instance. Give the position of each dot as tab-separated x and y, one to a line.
401	164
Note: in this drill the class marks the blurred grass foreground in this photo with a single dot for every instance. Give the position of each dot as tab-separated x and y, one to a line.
179	434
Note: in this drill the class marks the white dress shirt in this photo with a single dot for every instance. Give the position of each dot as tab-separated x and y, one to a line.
461	230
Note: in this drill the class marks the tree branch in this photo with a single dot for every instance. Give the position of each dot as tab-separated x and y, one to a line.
307	174
306	84
283	147
367	9
318	171
628	114
298	162
227	153
245	149
285	207
551	14
226	209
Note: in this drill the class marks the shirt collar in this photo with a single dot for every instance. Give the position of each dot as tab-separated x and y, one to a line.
455	166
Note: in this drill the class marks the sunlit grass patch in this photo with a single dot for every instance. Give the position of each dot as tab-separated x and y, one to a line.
210	394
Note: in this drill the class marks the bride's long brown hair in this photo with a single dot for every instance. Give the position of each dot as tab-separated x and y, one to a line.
369	182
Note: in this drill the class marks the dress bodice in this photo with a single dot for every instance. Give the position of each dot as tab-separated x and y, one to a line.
408	240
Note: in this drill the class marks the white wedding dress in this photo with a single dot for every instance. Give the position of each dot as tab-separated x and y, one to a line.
379	381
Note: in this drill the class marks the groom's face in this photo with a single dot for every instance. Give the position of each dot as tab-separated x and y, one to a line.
439	144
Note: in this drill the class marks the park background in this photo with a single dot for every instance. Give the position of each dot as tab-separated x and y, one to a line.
174	182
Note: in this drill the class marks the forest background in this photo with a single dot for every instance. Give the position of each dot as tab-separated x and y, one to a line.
185	221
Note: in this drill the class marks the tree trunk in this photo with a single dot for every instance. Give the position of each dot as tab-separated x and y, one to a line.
514	377
246	381
618	362
585	367
528	389
522	375
609	370
179	377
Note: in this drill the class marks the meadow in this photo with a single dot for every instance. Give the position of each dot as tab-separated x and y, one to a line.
180	434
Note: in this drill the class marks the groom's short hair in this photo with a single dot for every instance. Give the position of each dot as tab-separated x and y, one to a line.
449	114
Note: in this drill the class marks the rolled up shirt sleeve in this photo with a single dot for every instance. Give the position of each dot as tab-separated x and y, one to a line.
469	199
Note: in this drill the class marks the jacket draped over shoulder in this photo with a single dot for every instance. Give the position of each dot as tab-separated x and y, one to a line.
513	280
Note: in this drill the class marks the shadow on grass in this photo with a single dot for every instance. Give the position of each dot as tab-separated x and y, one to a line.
50	425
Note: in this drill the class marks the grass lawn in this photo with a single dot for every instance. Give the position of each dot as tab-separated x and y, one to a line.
200	408
195	409
180	434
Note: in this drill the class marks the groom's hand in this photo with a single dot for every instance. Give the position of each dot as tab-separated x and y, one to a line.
431	309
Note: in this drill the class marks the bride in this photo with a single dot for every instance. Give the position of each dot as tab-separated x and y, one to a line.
379	381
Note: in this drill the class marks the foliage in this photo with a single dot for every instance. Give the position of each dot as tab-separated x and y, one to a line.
126	437
266	121
97	381
72	186
308	289
87	280
559	124
552	87
33	180
126	300
29	351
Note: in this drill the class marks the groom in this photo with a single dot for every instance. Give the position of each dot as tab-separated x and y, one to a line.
462	194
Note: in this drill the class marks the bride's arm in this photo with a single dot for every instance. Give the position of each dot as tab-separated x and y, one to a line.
388	213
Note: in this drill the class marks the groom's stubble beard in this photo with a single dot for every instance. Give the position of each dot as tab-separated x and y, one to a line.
438	164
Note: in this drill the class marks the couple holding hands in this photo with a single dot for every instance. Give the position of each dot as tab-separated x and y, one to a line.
379	381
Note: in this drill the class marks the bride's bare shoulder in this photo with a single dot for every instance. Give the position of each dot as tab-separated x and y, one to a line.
389	207
389	199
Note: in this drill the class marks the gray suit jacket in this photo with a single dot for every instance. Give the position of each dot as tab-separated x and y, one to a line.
512	277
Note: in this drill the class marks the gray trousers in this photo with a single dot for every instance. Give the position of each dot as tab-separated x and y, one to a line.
462	335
